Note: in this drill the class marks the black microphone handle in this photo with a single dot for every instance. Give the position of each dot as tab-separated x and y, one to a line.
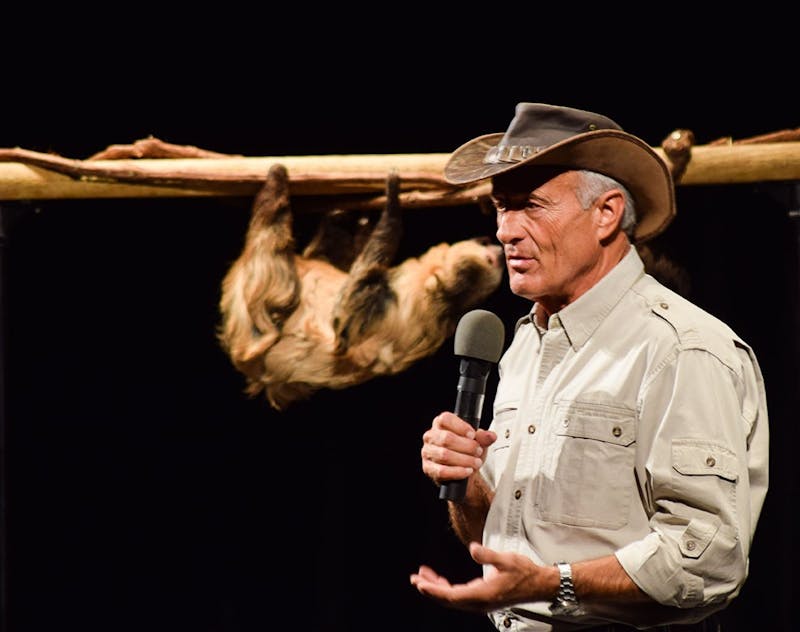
469	405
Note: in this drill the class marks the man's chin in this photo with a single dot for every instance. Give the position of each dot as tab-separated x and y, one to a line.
521	286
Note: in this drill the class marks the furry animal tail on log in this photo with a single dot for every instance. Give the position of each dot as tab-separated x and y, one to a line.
340	313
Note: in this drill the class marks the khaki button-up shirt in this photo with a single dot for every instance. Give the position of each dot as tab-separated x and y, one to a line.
634	425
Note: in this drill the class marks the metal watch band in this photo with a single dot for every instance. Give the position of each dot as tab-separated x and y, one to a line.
566	602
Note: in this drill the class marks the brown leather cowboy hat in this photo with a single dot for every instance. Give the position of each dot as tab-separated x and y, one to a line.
557	136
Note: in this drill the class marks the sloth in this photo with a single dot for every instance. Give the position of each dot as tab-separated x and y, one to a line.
341	312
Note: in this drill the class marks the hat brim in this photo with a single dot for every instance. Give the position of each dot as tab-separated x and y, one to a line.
614	153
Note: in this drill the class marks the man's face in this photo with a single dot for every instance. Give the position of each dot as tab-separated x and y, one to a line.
550	242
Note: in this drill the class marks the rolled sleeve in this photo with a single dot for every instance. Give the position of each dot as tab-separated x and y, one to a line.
698	422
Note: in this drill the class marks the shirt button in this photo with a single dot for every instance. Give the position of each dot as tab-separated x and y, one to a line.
617	431
518	494
508	433
664	305
711	461
691	545
531	429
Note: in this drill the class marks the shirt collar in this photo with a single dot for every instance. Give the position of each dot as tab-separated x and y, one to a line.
581	318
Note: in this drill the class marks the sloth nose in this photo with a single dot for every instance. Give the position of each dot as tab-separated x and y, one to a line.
494	253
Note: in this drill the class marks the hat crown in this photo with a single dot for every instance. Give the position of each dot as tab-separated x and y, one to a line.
540	125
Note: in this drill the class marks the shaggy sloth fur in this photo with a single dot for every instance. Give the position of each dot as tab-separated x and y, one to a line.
333	317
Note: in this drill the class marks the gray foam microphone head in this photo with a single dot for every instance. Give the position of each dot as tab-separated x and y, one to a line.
480	334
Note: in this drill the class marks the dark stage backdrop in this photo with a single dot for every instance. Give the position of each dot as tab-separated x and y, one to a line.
145	491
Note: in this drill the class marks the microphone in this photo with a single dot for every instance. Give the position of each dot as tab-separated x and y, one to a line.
479	340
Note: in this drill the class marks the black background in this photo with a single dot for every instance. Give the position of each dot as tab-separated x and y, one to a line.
145	491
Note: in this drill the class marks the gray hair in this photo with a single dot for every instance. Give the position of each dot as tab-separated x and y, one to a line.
594	184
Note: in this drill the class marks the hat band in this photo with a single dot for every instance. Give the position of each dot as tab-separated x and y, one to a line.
510	153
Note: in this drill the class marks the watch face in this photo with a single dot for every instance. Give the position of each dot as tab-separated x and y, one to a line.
563	608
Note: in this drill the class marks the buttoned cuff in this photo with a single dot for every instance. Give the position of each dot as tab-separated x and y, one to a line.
648	563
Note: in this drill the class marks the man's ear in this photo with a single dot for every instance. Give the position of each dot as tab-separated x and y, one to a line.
609	208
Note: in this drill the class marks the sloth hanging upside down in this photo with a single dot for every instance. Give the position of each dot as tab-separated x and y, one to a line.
334	317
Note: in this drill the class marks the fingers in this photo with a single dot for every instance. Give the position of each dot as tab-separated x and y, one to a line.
472	596
450	449
426	574
508	578
453	423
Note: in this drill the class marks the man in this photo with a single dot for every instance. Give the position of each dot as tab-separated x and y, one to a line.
622	476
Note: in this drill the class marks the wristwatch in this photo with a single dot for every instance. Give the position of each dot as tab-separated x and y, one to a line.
566	601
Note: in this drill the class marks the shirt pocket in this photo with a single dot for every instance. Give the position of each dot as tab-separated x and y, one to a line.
592	481
705	471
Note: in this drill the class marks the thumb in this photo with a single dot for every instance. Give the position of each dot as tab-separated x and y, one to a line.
485	438
482	554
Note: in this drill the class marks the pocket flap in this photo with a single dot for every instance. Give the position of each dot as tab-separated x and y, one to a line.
693	457
584	420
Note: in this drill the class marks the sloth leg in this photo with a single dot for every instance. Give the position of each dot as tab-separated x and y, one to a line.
262	288
367	294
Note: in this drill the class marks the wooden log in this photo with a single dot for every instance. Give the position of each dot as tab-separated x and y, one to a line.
353	179
742	163
41	176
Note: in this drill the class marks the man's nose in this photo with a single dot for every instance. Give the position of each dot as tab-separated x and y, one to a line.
508	226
